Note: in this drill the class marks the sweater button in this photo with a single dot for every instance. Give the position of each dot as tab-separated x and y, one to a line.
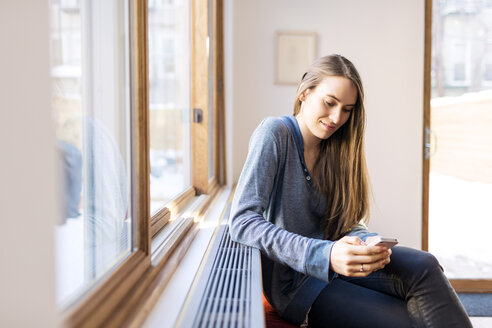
308	178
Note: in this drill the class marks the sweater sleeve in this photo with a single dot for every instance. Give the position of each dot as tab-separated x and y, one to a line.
248	225
361	231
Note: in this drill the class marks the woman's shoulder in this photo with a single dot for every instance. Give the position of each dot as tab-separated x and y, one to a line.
274	126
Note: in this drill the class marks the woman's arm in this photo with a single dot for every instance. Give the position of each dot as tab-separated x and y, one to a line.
251	199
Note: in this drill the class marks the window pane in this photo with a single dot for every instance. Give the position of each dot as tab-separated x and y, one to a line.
169	76
90	100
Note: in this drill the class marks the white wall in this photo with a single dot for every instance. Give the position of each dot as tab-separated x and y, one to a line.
27	168
385	40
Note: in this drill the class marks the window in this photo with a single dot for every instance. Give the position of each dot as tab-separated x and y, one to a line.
126	78
99	129
91	108
458	113
183	71
169	94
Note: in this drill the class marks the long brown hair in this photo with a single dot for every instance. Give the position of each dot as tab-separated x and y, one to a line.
341	165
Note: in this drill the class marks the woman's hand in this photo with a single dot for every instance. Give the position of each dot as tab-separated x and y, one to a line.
350	254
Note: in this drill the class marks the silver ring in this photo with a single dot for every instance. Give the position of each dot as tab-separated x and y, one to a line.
362	268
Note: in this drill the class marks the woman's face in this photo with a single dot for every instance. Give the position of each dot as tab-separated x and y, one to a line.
326	108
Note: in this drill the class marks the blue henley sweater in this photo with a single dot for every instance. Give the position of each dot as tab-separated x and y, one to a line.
277	209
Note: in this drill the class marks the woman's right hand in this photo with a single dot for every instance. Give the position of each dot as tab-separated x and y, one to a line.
350	254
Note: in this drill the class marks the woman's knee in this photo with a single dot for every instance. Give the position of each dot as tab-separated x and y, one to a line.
416	259
427	261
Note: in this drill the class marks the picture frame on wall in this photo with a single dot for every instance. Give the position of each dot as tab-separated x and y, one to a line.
294	52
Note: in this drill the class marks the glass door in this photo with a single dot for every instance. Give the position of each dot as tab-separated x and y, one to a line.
459	139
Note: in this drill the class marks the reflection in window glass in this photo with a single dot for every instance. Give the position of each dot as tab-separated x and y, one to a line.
89	75
169	77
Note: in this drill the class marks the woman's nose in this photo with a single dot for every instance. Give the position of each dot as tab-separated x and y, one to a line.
335	114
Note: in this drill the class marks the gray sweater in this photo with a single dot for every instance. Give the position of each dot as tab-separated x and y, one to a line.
277	209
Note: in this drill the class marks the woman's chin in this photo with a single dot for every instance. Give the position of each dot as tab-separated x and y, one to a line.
324	135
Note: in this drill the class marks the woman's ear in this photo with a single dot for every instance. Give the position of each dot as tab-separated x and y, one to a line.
302	96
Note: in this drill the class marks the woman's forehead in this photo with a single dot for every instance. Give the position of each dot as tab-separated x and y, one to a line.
341	88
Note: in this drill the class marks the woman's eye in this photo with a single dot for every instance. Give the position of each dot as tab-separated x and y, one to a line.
348	110
329	104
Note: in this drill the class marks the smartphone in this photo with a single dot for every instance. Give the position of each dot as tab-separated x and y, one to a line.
384	241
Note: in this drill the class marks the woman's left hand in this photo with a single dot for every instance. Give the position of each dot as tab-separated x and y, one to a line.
381	249
351	257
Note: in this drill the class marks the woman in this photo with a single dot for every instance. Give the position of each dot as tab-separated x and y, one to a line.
302	199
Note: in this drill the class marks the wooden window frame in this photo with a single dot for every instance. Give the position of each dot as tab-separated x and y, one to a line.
199	94
202	183
460	285
126	295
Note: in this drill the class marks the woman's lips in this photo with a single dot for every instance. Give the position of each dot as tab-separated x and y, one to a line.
330	127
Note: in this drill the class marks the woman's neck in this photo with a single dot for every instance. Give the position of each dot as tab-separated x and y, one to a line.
310	143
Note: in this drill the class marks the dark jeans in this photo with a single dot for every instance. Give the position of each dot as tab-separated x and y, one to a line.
411	291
